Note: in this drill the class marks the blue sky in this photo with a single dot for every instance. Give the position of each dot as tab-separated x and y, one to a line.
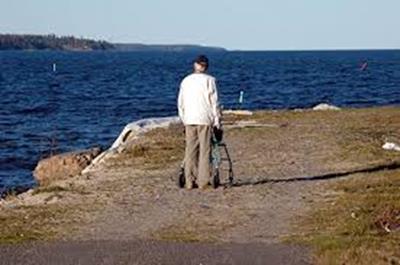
234	24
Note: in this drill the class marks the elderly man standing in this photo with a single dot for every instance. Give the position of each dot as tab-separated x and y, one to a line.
198	110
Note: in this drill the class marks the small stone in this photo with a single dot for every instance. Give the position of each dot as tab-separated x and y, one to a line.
204	206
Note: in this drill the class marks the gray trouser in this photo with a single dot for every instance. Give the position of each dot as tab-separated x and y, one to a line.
197	154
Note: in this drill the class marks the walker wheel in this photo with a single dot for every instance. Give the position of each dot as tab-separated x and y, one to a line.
230	178
215	181
181	178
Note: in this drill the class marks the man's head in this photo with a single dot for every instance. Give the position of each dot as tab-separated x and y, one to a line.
200	64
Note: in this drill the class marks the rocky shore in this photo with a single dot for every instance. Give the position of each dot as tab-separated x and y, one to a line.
285	165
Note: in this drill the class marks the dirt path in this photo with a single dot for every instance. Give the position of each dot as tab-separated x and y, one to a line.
147	204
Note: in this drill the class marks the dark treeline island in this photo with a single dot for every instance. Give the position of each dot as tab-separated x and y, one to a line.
70	43
50	42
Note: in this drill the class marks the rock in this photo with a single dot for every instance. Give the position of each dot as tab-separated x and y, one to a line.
134	129
391	147
26	194
324	106
53	198
238	112
252	124
98	161
64	166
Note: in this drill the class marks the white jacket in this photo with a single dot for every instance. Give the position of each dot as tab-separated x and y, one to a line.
198	100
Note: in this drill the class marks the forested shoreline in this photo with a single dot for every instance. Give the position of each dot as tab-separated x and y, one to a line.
50	42
71	43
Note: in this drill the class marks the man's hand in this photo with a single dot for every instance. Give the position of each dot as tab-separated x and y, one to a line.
217	123
218	133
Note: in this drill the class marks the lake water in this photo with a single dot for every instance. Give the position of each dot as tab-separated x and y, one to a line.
93	95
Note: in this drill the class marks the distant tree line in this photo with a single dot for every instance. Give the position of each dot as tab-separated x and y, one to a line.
50	42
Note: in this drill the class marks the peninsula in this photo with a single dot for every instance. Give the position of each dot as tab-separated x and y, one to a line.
310	187
71	43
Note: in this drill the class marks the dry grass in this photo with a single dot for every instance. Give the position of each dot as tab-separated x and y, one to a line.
45	221
347	229
27	223
157	149
49	189
179	234
344	229
60	189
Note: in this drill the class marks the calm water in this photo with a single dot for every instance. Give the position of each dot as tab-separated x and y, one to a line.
93	95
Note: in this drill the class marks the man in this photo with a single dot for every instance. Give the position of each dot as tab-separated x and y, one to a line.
198	110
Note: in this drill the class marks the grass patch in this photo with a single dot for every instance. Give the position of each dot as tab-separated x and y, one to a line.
29	223
58	189
158	148
49	189
350	228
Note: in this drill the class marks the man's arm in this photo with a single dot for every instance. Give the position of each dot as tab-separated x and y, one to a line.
180	104
215	103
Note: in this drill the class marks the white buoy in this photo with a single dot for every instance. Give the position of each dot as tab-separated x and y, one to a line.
241	97
240	101
54	67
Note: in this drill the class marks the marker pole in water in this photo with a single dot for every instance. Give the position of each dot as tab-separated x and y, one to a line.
54	67
364	66
241	95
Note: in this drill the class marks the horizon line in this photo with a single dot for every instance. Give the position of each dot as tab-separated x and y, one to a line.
216	46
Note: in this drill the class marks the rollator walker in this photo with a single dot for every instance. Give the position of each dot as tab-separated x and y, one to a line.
217	145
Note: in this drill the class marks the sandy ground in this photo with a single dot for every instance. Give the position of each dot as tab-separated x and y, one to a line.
142	217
